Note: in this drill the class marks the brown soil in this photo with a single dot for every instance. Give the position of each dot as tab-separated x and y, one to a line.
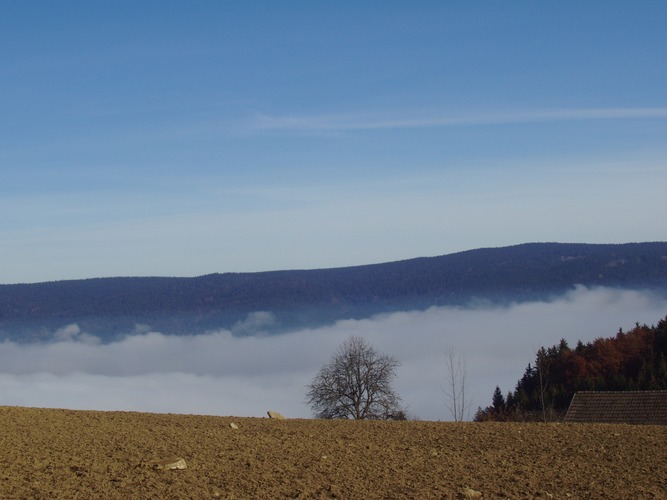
86	454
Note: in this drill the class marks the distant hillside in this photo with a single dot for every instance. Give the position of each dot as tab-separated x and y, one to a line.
108	306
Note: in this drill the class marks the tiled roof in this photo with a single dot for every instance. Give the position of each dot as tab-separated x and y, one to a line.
626	407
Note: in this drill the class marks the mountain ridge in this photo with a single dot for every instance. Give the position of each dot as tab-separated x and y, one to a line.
529	271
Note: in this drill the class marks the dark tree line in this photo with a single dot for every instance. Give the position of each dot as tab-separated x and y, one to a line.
520	272
633	360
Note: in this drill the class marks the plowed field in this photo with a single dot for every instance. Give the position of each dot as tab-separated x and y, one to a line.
87	454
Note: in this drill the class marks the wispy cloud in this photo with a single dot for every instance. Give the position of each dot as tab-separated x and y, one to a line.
322	123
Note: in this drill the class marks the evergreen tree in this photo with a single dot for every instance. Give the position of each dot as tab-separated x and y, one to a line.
633	360
498	402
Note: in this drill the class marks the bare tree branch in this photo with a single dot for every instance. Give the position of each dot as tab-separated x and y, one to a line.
355	384
455	388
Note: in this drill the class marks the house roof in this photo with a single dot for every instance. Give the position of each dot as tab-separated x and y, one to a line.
619	407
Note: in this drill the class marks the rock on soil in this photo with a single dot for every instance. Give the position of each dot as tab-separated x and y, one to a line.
88	454
171	464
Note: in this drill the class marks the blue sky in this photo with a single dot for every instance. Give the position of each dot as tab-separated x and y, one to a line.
184	138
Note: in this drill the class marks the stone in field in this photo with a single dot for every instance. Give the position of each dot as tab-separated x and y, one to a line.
275	415
171	464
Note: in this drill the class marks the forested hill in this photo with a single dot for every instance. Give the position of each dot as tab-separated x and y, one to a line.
629	361
306	297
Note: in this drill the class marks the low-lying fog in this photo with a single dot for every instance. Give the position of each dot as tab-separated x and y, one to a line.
219	374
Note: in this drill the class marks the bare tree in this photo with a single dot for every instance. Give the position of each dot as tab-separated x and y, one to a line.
455	387
542	364
356	384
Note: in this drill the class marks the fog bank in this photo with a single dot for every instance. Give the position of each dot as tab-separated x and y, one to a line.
221	374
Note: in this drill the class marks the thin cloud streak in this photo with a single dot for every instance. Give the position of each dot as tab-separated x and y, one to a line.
350	122
221	374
